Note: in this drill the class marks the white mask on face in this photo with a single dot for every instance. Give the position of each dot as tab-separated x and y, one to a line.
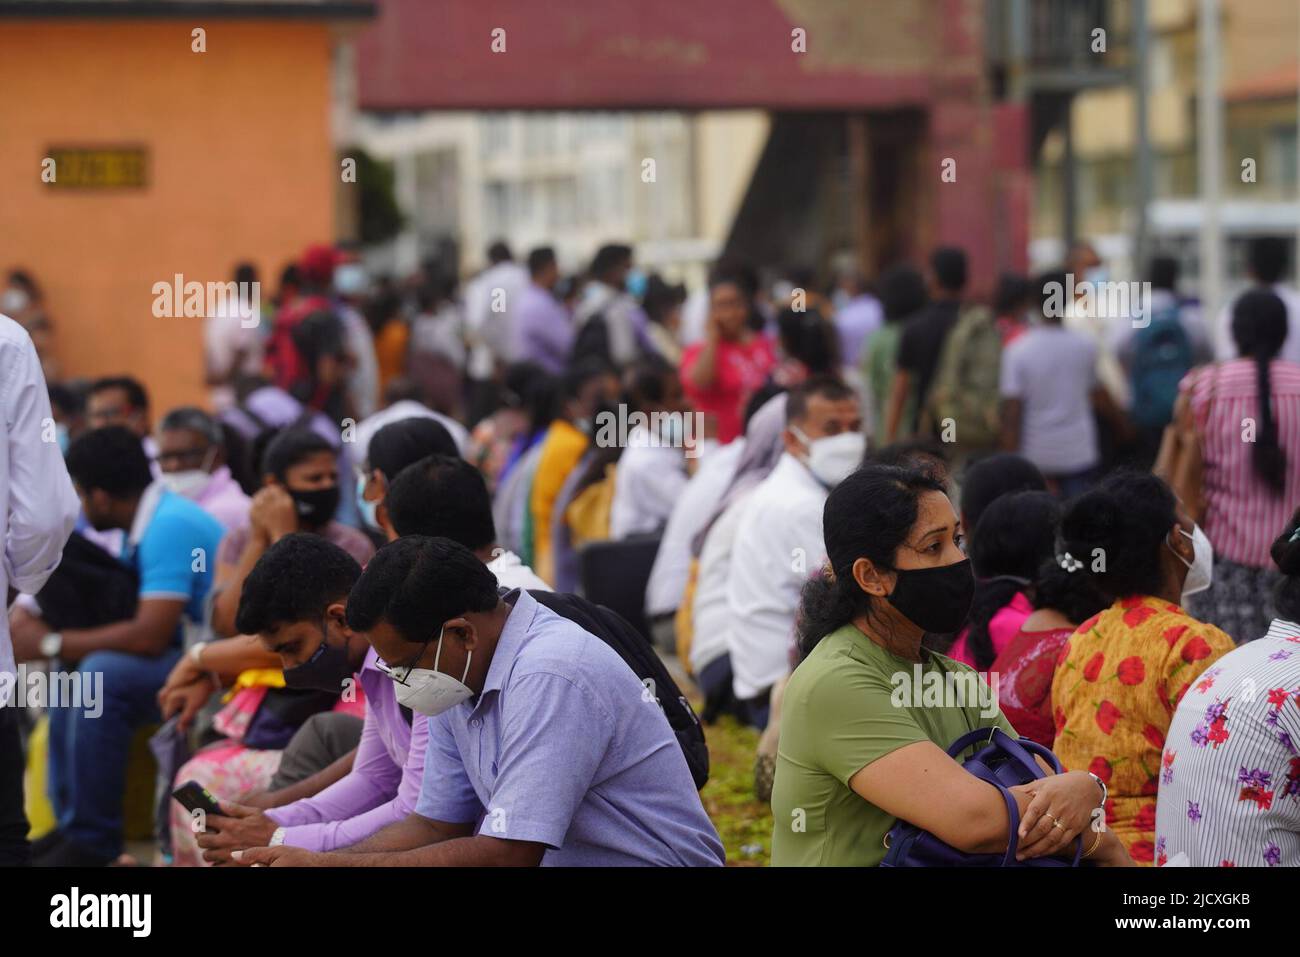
13	301
189	483
833	458
431	692
1200	570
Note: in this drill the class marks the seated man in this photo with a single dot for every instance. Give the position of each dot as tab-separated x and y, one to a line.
543	747
447	497
293	600
192	457
172	543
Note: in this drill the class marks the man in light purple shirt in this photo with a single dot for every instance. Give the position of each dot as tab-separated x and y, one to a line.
293	600
38	507
544	746
542	326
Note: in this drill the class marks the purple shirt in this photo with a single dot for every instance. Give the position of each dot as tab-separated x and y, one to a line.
565	747
224	500
543	328
382	786
855	322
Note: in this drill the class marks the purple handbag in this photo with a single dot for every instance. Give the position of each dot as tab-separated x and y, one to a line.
1003	762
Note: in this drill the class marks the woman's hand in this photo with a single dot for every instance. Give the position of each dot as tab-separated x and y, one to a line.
1109	853
187	700
272	514
1060	809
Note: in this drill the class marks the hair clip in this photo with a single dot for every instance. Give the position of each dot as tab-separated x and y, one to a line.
1069	563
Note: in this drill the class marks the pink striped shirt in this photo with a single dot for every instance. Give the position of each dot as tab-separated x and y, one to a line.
1243	515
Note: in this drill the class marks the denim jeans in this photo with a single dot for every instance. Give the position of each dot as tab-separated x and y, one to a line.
89	752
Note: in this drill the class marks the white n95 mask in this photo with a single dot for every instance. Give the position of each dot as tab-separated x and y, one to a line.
1200	570
430	692
833	458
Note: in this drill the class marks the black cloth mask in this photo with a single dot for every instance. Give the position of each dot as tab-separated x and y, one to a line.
935	599
317	507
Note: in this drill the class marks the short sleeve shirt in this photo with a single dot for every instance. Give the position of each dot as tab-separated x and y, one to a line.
175	551
849	703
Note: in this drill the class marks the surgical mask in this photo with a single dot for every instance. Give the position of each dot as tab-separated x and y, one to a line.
13	301
431	692
833	458
1200	570
326	669
369	510
350	279
935	599
189	483
636	283
316	507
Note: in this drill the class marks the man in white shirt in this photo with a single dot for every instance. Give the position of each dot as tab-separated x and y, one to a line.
490	299
446	497
779	536
1266	265
38	508
651	472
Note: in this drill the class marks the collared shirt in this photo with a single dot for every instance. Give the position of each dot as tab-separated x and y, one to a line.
223	499
1230	772
382	786
563	748
512	573
778	546
543	330
173	544
38	505
648	481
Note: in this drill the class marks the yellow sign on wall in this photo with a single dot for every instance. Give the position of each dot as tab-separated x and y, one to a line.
117	167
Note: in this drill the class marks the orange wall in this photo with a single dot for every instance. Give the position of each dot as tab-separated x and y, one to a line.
241	166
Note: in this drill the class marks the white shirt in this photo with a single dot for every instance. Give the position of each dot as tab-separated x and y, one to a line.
490	332
38	505
1098	327
1225	347
1053	372
778	546
513	573
703	492
710	614
648	481
404	409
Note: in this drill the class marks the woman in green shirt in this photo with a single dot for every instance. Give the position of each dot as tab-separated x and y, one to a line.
869	713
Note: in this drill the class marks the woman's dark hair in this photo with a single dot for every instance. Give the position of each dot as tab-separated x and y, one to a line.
1072	594
868	515
1259	326
407	441
1286	555
992	477
1012	294
808	337
1016	534
1117	531
292	446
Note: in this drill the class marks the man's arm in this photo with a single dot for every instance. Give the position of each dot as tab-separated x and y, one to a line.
1012	410
149	633
412	832
476	851
898	393
307	787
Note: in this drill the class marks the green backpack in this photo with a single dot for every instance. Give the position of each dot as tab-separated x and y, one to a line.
965	386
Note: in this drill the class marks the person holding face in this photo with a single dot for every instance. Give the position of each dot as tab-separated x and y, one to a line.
1123	671
854	759
720	373
300	493
542	747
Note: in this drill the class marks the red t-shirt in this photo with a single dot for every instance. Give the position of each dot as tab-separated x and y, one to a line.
741	368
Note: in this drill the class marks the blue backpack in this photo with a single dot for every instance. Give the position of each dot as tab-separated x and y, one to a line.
1162	355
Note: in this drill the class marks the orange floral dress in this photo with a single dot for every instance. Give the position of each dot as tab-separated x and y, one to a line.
1118	680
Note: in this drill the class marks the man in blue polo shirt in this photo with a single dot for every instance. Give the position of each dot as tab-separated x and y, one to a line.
172	544
544	747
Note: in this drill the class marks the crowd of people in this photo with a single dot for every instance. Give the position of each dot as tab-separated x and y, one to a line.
388	595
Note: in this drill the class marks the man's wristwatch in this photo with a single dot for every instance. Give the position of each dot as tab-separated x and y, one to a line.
1101	784
52	644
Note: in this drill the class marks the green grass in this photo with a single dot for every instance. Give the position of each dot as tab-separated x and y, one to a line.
742	821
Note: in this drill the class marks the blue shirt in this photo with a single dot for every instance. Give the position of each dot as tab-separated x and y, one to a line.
565	747
173	545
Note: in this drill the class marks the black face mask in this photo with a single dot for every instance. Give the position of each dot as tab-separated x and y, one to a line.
316	507
935	599
325	670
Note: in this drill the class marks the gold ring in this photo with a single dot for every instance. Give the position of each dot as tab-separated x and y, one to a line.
1058	824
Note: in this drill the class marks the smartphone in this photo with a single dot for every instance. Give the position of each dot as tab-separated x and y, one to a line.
194	796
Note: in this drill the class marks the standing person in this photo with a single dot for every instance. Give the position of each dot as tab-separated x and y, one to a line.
300	493
923	337
1230	779
170	543
663	304
588	773
490	298
1090	315
436	363
1049	390
852	761
720	373
1246	488
1266	262
23	301
1013	306
192	458
857	320
1124	671
38	508
606	299
543	328
902	295
779	535
232	339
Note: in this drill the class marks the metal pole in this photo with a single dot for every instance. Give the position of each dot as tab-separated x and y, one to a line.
1141	46
1209	160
